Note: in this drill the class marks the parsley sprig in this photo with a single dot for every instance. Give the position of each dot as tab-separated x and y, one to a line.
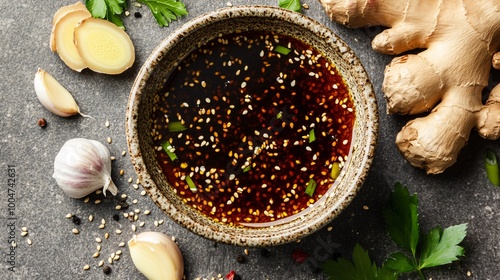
164	11
293	5
420	251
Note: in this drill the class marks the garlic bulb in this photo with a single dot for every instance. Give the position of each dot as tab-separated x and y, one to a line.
156	256
54	96
83	166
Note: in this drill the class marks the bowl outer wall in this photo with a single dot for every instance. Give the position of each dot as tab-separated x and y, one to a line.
179	44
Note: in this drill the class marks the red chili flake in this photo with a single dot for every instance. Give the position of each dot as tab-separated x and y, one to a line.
232	276
299	256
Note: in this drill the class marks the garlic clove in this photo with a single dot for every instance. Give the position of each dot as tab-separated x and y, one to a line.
156	256
83	166
61	13
54	96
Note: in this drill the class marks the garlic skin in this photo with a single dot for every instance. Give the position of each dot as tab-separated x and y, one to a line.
54	96
83	166
156	256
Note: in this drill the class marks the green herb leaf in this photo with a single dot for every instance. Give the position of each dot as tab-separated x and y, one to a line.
402	218
97	8
175	127
165	11
441	247
191	184
362	268
312	136
282	50
293	5
311	187
169	150
400	263
492	169
110	10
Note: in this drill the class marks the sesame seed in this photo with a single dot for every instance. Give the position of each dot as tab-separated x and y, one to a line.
29	241
101	263
109	140
118	231
75	231
95	255
98	240
24	233
69	216
86	267
107	123
122	244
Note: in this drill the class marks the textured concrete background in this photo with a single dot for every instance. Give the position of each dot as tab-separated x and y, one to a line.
461	195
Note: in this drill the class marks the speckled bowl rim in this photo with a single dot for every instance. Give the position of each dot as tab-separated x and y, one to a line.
245	236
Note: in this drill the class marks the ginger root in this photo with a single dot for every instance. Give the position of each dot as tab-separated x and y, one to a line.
86	42
461	39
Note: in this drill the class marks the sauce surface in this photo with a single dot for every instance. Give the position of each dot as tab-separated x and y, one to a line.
252	127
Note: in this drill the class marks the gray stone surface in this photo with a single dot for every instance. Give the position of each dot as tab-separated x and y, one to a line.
460	195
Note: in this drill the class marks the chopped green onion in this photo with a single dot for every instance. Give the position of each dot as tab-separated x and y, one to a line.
282	50
492	170
311	187
312	136
246	169
335	170
191	184
168	148
176	127
279	115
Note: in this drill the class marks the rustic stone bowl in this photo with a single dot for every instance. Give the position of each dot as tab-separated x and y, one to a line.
179	44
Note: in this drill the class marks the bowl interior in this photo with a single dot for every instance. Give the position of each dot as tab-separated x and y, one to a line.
155	72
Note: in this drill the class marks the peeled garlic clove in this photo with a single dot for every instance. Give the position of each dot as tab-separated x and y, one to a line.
54	96
156	256
83	166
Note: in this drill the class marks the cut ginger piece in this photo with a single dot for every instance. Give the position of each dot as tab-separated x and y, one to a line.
103	46
62	38
59	14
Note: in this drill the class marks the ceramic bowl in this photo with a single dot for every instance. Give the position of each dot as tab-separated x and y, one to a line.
178	45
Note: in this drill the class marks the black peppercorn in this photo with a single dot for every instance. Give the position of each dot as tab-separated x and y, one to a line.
265	253
42	122
241	259
106	270
116	217
137	15
76	220
236	277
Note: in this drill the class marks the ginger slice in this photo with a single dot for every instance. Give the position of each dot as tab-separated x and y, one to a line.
61	13
64	38
104	47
